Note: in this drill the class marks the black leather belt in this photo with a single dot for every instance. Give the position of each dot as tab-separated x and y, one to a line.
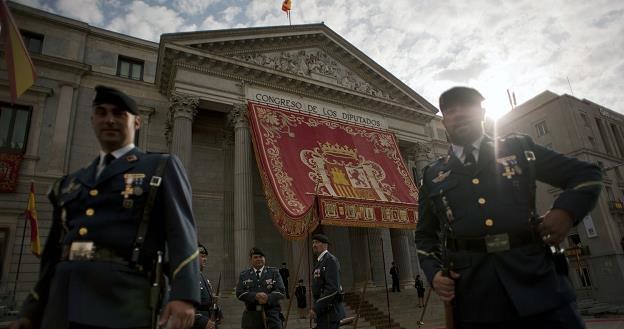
102	254
479	244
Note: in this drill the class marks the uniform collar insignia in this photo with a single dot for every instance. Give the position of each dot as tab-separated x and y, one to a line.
442	175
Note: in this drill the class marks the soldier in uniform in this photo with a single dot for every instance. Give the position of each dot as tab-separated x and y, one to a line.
327	308
498	267
260	288
111	221
208	315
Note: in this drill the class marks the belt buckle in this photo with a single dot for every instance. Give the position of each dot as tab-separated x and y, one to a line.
81	250
497	242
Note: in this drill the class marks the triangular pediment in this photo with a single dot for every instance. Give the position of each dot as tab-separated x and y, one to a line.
312	53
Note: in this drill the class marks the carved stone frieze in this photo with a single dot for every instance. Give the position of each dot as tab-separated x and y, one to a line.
316	64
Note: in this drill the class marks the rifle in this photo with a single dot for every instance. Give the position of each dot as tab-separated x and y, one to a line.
446	268
155	291
214	315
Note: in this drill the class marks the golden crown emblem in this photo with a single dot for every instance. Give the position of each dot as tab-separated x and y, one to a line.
338	150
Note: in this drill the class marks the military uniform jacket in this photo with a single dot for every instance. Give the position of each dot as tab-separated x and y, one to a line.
86	208
518	282
270	283
327	289
205	310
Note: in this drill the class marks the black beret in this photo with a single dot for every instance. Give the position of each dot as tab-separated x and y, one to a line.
108	95
320	238
202	249
255	251
460	96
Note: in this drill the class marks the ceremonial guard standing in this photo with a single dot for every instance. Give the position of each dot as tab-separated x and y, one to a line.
208	314
327	309
260	288
112	223
482	245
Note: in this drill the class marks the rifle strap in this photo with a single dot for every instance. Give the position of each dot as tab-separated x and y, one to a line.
154	183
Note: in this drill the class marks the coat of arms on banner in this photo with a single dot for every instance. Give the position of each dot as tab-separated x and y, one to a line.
338	170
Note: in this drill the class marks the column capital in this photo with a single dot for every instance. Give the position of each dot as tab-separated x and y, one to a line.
238	116
420	151
183	105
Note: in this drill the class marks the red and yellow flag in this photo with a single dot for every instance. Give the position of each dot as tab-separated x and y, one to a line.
31	216
286	5
21	70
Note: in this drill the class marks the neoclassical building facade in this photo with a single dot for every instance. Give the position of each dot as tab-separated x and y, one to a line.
192	89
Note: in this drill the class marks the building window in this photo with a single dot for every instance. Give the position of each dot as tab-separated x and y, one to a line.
585	120
32	41
541	128
441	134
603	136
14	123
618	139
592	142
130	68
583	274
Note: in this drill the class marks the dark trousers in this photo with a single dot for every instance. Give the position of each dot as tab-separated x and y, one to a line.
395	284
73	325
564	317
254	320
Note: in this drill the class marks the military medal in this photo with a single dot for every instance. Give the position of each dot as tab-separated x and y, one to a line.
441	176
510	165
71	187
128	203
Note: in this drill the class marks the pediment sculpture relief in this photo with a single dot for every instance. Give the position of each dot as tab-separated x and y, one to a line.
315	64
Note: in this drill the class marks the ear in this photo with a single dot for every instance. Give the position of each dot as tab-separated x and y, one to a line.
137	122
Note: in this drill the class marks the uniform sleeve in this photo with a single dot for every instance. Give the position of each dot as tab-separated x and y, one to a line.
35	302
243	293
279	291
181	233
580	181
427	233
200	321
331	287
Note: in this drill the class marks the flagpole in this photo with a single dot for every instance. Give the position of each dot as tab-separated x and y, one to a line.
19	261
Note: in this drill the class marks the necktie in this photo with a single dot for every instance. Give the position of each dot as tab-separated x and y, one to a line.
258	274
108	159
469	160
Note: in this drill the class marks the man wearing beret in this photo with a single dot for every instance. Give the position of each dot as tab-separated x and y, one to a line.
327	291
112	222
260	288
207	316
483	247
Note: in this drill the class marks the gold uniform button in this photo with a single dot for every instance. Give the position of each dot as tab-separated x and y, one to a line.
90	212
93	192
83	231
481	200
475	181
489	222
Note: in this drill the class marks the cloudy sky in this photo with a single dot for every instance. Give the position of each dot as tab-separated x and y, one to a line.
526	46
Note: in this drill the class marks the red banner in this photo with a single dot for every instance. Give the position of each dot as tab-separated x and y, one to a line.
9	171
356	172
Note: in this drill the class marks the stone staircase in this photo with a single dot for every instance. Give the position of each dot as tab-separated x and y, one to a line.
370	313
233	312
590	307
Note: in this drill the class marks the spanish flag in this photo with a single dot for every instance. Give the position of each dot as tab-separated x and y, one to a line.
20	67
31	216
286	6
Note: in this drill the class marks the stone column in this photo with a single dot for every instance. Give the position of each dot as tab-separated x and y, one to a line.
146	116
359	256
243	190
374	241
180	126
401	255
61	130
420	155
229	268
